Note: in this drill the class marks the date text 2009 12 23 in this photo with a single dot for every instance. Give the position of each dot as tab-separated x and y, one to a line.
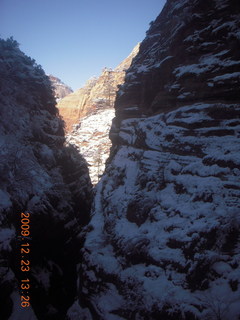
25	267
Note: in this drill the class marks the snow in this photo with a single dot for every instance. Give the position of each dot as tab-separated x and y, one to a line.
184	95
168	202
235	34
158	64
230	25
75	312
6	236
227	76
142	68
175	218
111	300
221	53
207	63
91	137
222	4
221	267
210	84
32	171
193	68
179	5
5	201
20	313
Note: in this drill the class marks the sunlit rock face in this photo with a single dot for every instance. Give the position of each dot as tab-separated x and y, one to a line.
46	180
60	89
98	93
163	241
91	138
93	116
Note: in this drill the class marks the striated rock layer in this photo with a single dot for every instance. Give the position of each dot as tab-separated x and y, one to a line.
97	94
189	55
163	241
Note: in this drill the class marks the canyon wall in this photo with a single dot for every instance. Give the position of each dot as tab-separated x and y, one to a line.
163	240
98	93
91	138
43	179
91	110
60	89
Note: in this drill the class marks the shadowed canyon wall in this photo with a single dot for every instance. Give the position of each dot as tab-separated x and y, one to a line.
43	179
163	240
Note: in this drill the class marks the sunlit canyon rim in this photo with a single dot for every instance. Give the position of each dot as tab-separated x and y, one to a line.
88	114
162	238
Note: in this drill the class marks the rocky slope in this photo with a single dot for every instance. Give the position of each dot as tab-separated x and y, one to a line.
163	241
60	89
90	134
41	177
91	138
98	93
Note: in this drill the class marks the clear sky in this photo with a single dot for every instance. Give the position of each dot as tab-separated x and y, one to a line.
75	39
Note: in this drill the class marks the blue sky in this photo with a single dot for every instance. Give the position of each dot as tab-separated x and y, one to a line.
75	39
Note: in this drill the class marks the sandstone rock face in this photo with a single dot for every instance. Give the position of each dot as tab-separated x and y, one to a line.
163	241
60	89
91	110
91	138
98	93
